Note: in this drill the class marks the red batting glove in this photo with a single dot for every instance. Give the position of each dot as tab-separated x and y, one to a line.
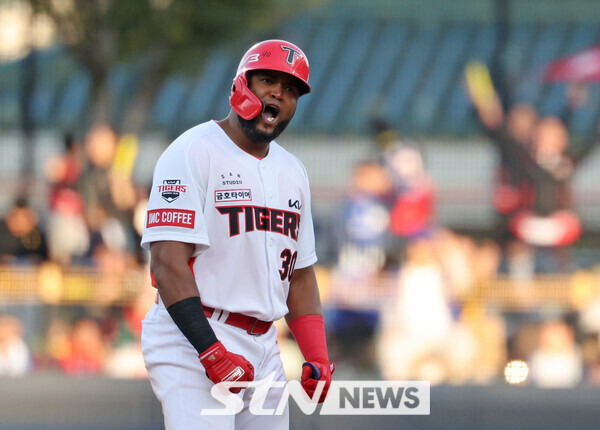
312	373
224	366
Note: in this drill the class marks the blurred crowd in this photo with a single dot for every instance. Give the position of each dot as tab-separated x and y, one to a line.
78	342
94	212
403	298
425	314
93	221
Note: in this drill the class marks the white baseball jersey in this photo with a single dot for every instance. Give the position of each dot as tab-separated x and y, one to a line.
249	218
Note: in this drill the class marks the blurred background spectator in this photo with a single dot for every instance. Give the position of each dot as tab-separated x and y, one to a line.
108	195
85	352
533	185
413	199
68	236
364	219
556	362
417	338
22	239
15	358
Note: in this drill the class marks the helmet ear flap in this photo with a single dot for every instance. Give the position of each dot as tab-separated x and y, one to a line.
243	100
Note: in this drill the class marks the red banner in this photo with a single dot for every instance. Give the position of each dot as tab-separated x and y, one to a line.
583	66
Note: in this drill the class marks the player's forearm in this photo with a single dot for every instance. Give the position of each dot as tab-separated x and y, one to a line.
169	265
303	298
306	324
173	289
189	317
177	288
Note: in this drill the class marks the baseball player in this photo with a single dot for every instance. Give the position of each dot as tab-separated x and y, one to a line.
232	247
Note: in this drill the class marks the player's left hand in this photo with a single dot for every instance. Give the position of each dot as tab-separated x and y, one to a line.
312	373
225	366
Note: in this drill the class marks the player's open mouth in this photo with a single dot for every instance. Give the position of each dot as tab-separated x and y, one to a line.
270	113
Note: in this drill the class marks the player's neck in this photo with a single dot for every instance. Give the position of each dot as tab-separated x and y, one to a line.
236	134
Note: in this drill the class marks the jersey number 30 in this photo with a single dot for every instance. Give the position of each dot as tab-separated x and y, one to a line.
287	267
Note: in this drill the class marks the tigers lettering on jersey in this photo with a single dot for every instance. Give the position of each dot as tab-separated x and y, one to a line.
171	217
263	219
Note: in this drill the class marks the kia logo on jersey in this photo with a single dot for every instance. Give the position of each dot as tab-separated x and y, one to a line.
171	189
295	204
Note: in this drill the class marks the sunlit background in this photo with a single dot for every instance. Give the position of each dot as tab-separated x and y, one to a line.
451	151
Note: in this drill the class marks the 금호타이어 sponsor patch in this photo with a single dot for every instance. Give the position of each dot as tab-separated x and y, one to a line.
233	195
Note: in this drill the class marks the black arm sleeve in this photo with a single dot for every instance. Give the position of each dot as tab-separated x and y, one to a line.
188	315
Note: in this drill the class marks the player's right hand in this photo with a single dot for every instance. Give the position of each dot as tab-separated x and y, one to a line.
224	366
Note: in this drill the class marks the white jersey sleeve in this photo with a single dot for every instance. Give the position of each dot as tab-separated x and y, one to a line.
176	199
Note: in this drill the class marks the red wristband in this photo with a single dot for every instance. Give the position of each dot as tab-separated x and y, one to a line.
309	332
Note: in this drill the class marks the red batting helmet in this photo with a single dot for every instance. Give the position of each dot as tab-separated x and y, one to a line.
267	55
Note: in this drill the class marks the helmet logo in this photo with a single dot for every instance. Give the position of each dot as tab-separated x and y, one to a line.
253	58
291	54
